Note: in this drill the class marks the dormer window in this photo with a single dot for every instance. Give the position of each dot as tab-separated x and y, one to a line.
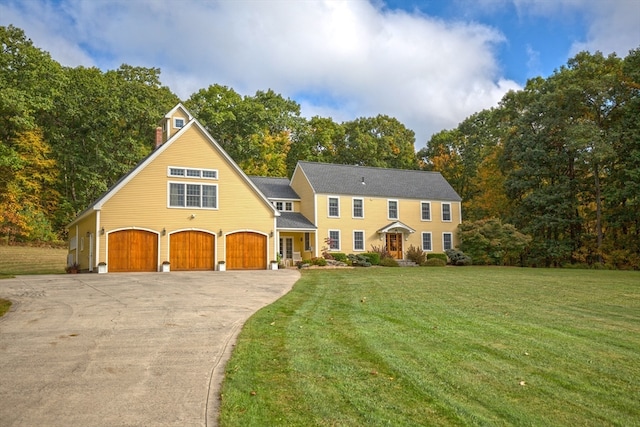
178	123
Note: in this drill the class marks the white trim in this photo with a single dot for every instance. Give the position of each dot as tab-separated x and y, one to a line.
353	199
430	241
450	234
169	206
339	239
98	236
397	217
363	240
430	211
329	206
442	212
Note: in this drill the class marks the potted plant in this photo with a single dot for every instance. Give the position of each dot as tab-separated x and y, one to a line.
274	264
102	267
222	266
166	266
73	268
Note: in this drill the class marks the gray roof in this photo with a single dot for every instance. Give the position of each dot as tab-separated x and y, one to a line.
274	188
294	220
329	178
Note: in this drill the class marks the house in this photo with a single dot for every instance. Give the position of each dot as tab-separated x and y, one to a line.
189	204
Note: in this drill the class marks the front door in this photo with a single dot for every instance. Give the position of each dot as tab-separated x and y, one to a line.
394	245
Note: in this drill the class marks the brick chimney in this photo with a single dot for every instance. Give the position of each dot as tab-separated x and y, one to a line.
158	136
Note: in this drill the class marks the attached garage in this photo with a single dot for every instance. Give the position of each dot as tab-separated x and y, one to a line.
192	250
133	250
246	251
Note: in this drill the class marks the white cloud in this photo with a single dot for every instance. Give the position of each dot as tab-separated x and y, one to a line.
428	73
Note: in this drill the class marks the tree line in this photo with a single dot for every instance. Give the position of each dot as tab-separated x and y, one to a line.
559	160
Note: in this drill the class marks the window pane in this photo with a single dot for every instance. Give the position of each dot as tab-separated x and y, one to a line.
334	239
446	238
357	208
358	240
193	195
426	241
426	211
195	173
176	195
176	172
446	212
333	206
393	209
209	196
288	206
279	206
209	174
307	242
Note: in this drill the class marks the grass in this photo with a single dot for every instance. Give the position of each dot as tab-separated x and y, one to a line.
441	346
20	260
5	305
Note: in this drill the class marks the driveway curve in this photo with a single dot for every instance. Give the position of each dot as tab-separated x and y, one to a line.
144	349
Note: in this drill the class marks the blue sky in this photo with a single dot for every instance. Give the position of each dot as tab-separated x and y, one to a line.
428	63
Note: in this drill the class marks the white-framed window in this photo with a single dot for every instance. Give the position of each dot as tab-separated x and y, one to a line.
284	206
358	207
192	173
288	206
358	240
279	205
185	195
334	240
392	209
425	211
333	204
307	241
446	212
447	241
426	241
178	122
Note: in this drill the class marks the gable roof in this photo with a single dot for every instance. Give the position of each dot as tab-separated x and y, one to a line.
97	205
294	221
275	188
330	178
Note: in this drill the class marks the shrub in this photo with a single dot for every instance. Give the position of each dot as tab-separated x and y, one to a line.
372	257
443	257
458	257
381	251
319	261
358	260
416	255
338	256
435	262
388	262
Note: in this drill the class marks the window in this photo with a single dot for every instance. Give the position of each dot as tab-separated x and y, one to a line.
178	123
307	242
334	240
446	212
358	208
426	241
284	206
447	241
358	240
334	207
425	208
193	195
193	173
393	209
288	206
278	205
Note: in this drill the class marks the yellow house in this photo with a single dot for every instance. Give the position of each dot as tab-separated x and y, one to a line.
188	206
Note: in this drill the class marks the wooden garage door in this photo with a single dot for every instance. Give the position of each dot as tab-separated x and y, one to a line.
246	251
133	250
192	250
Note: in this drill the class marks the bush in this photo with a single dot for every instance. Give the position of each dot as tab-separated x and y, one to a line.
358	260
435	262
443	257
319	261
388	262
458	257
372	257
416	255
338	256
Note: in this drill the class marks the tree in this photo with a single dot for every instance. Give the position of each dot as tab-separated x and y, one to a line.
489	241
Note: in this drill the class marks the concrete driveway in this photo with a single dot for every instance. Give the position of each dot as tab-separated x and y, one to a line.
144	349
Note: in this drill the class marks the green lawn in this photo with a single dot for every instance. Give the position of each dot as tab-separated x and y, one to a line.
441	346
18	260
